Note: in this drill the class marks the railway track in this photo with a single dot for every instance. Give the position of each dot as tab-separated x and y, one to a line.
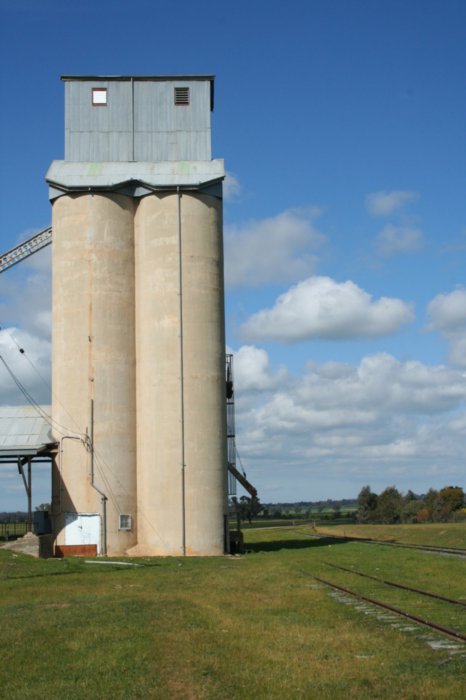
391	608
422	547
436	596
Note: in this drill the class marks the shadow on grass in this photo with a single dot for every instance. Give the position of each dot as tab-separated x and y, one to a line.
293	544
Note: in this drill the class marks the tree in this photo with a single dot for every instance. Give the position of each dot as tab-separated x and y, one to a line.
367	503
389	506
429	501
411	506
410	510
44	506
423	515
249	507
448	500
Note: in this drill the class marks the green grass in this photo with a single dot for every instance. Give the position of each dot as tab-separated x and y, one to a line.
256	626
438	534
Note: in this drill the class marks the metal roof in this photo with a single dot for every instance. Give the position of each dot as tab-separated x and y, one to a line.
23	431
84	176
138	77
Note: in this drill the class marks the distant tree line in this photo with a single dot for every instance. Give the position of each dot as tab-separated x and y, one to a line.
390	506
304	505
251	508
18	517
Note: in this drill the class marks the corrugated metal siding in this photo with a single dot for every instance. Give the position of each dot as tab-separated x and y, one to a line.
22	428
98	133
163	131
172	146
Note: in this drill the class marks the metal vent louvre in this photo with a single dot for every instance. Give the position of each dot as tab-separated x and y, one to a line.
182	95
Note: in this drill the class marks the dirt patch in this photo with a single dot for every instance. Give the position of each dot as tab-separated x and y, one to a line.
57	605
29	544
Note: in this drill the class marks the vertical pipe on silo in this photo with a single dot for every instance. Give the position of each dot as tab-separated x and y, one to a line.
103	497
182	445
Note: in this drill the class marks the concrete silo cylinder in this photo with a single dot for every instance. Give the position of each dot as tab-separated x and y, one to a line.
180	351
94	358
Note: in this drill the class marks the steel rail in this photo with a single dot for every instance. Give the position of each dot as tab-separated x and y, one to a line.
432	625
437	596
422	547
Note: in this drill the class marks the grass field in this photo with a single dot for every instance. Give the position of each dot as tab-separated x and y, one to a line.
440	534
255	626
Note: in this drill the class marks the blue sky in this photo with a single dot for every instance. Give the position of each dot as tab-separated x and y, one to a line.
342	128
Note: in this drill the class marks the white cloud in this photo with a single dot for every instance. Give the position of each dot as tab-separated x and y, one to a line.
31	367
458	351
386	203
252	370
399	239
447	313
25	322
25	294
319	307
379	421
231	187
278	249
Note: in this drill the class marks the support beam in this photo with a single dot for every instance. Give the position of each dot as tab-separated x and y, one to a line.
27	481
242	480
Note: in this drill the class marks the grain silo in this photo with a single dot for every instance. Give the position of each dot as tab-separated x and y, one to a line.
138	360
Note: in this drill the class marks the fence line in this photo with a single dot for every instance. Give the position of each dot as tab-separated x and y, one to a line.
13	529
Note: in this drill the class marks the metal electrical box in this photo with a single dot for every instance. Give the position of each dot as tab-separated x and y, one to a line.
42	522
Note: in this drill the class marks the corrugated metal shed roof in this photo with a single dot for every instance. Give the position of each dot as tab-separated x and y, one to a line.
23	431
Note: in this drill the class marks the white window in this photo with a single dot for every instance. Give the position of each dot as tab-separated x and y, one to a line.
125	522
99	96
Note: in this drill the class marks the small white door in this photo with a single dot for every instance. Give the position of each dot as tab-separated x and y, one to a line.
82	528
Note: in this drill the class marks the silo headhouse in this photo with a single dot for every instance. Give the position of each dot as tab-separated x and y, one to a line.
138	366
